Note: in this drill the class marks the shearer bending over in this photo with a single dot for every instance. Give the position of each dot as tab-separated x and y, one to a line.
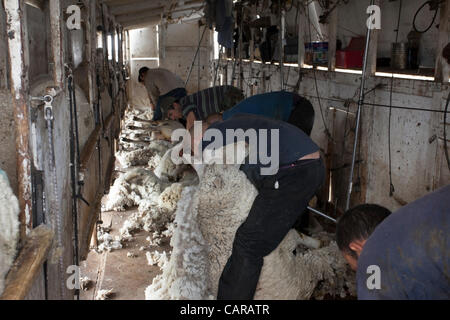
283	193
280	105
200	105
161	84
403	255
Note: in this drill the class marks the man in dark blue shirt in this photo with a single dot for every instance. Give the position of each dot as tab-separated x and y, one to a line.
283	193
279	105
403	255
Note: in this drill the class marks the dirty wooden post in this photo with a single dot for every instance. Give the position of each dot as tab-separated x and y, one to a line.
18	57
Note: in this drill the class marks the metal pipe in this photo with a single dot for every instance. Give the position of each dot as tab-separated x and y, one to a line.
358	114
199	61
280	39
321	214
241	71
217	67
195	57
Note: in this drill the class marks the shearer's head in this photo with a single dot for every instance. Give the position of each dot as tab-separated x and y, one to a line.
142	72
171	108
355	227
446	53
175	112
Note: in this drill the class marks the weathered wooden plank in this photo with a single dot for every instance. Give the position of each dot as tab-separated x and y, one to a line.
332	37
441	75
56	43
89	148
28	264
90	219
16	30
373	47
301	37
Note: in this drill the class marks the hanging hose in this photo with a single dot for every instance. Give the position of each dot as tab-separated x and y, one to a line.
445	132
431	2
391	184
73	174
195	56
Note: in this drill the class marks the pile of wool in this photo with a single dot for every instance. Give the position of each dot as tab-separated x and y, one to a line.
9	227
106	240
206	221
157	258
131	188
104	294
142	156
154	215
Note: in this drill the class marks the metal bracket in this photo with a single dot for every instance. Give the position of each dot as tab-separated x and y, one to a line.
48	109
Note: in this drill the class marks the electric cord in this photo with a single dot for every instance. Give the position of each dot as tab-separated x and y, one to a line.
327	132
419	10
445	132
391	184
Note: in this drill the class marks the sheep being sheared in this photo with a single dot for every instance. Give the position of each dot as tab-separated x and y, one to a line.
206	221
9	227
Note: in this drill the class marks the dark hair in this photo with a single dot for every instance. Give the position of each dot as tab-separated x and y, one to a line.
302	115
141	72
358	223
446	53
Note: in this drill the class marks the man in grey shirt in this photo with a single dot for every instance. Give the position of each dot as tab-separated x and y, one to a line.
161	84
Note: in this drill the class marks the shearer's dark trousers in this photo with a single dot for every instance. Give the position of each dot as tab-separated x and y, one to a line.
273	214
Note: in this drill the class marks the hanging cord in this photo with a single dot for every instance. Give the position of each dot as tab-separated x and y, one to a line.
327	132
73	173
74	101
195	56
391	185
445	131
431	2
233	72
296	28
217	67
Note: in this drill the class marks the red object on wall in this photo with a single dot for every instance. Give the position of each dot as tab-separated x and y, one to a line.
352	56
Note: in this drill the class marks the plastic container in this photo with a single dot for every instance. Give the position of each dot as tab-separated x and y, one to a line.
316	53
351	57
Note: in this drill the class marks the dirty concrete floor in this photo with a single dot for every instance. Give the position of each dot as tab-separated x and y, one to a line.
127	276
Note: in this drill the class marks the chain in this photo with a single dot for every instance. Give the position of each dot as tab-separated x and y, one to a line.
54	203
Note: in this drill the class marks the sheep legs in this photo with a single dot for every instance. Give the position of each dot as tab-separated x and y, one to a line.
274	212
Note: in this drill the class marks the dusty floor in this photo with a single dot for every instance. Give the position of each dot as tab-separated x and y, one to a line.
127	276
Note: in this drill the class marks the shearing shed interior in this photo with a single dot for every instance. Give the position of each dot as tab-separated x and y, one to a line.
94	206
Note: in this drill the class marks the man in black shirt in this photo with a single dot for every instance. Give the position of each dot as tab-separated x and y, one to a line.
283	193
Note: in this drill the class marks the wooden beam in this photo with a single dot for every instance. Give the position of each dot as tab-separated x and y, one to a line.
301	38
441	75
332	38
131	16
136	7
16	29
28	264
36	3
140	15
141	23
56	43
89	148
373	47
